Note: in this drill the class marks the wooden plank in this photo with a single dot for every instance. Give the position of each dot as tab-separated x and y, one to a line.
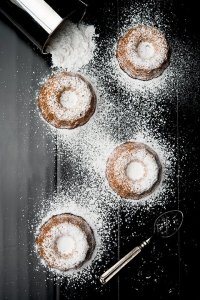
27	158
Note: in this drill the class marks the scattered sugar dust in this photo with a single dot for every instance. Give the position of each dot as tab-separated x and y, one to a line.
126	110
179	74
96	213
165	194
114	123
87	153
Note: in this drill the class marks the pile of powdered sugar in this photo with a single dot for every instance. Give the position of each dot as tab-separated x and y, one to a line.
73	46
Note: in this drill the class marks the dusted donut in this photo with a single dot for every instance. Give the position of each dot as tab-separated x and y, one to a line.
143	52
67	100
133	170
65	242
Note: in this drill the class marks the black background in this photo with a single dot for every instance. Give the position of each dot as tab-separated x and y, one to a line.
28	163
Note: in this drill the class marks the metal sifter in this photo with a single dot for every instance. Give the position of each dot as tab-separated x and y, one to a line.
39	20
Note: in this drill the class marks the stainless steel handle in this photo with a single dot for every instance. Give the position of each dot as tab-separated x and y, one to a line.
105	277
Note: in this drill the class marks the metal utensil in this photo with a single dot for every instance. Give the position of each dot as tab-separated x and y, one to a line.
165	226
38	20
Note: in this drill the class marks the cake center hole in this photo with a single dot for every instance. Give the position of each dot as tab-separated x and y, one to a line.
65	245
135	170
146	50
68	99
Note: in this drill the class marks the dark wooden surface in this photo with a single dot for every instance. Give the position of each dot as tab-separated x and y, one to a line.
27	158
28	164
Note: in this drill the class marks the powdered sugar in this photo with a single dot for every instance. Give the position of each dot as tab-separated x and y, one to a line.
60	253
144	58
146	50
73	46
66	97
66	244
127	110
148	168
144	47
97	212
76	97
69	99
135	170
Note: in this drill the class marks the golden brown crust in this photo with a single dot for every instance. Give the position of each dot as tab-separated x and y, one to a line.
124	187
49	88
61	219
142	33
